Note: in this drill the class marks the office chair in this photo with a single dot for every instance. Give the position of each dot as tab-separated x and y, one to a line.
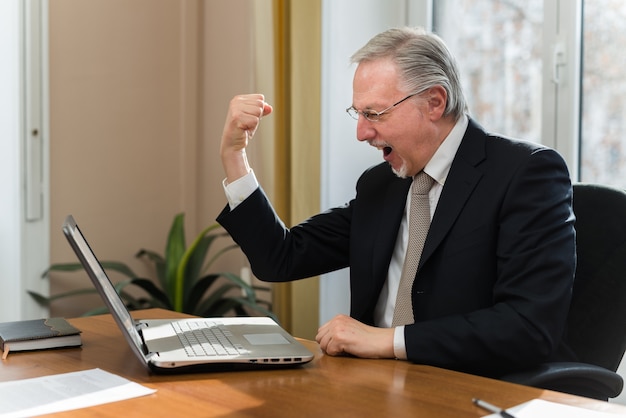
596	324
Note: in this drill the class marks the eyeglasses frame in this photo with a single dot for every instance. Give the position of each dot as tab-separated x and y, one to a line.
352	111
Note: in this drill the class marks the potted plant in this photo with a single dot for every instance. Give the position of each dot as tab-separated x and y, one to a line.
183	284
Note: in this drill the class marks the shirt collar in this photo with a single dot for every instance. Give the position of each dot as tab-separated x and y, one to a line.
439	165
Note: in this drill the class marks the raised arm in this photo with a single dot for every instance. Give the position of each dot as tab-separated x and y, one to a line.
242	120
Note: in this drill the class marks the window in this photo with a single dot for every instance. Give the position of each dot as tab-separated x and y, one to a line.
498	46
603	102
550	71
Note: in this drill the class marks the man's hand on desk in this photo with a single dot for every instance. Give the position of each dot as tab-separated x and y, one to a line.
344	334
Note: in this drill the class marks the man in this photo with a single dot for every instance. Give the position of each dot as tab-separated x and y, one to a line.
493	286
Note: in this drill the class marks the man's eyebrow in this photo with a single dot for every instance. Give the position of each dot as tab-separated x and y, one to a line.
369	107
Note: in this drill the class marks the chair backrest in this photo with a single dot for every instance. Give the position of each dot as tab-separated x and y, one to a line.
597	318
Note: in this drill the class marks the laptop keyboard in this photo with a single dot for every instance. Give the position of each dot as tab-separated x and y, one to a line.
205	338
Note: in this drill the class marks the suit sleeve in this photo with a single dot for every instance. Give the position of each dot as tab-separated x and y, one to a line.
277	253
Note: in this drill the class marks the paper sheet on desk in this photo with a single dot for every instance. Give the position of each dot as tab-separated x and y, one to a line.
538	408
64	392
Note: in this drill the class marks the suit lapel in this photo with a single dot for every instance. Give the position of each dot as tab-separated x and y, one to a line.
461	181
393	204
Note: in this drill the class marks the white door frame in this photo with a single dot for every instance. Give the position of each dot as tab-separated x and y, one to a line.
24	156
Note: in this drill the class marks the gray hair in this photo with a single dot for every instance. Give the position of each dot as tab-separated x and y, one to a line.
424	61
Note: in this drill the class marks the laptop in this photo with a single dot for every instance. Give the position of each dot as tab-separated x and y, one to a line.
195	344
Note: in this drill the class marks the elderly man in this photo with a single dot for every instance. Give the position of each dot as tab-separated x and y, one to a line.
461	245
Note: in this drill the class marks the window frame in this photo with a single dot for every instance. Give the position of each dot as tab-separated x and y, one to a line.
562	56
25	238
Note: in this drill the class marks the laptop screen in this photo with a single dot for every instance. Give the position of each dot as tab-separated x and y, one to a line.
103	284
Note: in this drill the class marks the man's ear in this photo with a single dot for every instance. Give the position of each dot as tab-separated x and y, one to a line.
437	100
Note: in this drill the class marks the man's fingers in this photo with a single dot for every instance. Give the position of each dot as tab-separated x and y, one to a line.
247	111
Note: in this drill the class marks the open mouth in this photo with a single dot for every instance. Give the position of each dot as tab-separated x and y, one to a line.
382	146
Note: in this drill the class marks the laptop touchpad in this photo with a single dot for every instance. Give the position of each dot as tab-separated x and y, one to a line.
266	339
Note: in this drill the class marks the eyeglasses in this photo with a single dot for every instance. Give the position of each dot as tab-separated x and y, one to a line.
372	115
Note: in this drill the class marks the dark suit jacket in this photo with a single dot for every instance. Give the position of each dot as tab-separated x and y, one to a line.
494	284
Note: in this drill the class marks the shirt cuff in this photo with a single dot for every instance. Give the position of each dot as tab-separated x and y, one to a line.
399	346
240	189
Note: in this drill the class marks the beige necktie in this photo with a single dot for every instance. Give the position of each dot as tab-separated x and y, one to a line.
419	222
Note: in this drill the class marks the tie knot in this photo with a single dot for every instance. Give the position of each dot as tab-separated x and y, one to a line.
422	183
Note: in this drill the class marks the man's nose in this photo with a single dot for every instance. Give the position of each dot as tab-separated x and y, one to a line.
364	129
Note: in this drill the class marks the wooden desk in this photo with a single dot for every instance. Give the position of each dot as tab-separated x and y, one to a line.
326	387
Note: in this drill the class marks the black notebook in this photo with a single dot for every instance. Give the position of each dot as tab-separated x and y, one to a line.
37	334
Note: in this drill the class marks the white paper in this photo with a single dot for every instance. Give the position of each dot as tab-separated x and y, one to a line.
538	408
64	392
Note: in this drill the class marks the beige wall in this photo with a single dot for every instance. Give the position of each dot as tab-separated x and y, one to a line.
138	95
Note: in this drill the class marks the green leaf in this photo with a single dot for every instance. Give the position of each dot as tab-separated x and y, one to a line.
133	303
119	286
214	299
62	267
196	261
207	307
159	264
220	253
218	295
174	251
130	301
119	267
107	265
197	292
97	311
46	300
157	294
40	299
179	289
250	294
